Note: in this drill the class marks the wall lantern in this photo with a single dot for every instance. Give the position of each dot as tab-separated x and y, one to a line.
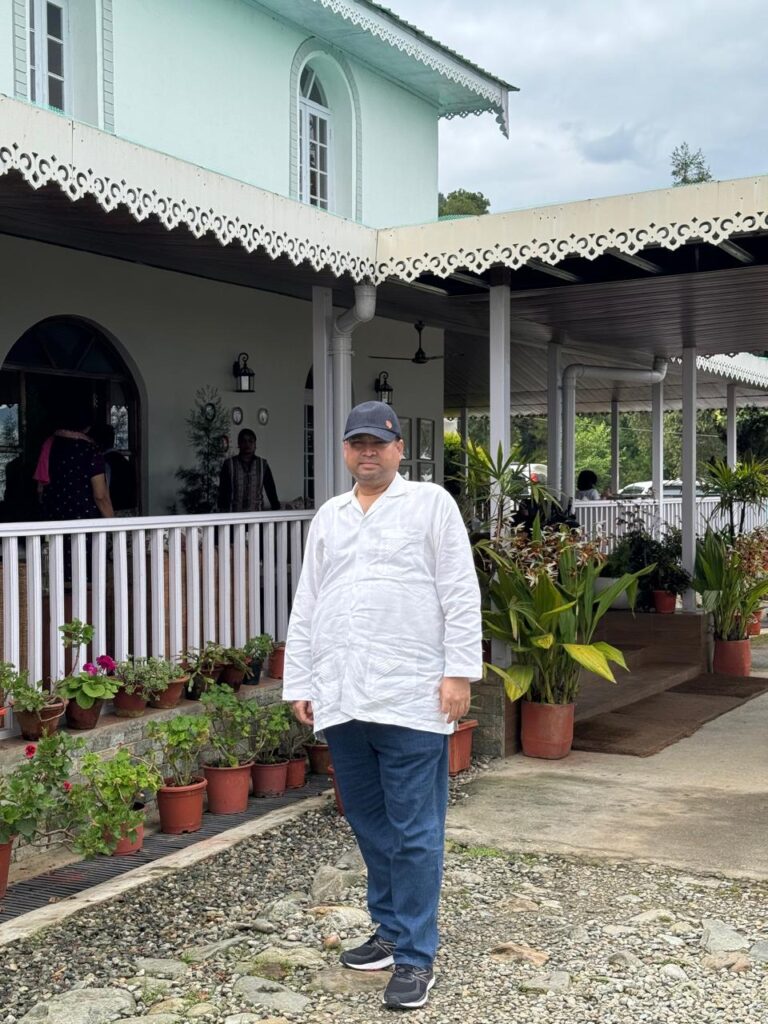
383	389
243	374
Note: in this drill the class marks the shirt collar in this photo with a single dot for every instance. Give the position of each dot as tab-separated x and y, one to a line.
395	489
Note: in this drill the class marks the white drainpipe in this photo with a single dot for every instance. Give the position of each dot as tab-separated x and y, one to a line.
363	310
581	371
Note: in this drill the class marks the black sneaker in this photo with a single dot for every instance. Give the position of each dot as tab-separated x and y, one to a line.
409	987
373	955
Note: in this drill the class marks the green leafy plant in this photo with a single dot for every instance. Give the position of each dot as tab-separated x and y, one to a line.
92	683
268	727
259	647
20	694
544	606
727	589
669	574
145	676
207	427
109	800
295	739
74	635
181	740
737	487
237	658
35	799
230	719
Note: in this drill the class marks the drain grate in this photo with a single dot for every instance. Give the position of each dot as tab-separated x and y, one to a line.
67	881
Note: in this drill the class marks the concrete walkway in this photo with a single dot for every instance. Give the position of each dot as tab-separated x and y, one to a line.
700	804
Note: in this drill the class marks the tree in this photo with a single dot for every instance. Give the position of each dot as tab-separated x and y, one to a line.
688	168
207	426
460	202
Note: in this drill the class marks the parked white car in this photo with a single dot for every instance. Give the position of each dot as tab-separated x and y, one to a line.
672	489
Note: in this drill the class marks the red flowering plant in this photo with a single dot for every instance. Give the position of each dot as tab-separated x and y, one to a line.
94	681
34	798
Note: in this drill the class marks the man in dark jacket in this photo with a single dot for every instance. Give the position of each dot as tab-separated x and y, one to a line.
246	478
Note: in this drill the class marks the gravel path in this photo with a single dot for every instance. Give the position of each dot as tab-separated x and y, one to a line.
598	943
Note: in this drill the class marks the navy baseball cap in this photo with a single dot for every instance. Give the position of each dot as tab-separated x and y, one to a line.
375	418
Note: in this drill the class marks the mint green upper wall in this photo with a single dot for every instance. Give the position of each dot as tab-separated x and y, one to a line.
209	81
6	48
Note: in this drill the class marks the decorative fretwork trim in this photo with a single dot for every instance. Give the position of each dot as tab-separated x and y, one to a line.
406	42
108	66
20	50
743	368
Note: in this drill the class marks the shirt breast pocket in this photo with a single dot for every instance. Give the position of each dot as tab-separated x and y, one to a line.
397	551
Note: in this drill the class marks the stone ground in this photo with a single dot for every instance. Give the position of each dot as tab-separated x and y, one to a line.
253	934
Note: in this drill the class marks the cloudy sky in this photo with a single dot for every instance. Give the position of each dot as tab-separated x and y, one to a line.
607	89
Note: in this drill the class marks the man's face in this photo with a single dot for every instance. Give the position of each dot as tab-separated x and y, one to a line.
371	460
247	446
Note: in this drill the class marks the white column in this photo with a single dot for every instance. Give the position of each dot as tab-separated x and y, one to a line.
554	417
500	383
689	517
615	446
730	427
657	446
464	434
322	322
341	360
568	469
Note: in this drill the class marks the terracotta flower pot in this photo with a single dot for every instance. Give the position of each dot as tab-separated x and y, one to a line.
127	845
83	718
232	676
319	757
181	807
732	657
171	695
228	788
196	686
276	662
130	705
5	865
460	746
336	791
35	724
269	779
297	773
754	624
546	729
664	602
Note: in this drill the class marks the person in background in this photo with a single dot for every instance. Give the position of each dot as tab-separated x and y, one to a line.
586	486
383	641
71	474
246	479
118	470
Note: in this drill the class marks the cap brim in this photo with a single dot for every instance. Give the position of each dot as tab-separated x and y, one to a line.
385	435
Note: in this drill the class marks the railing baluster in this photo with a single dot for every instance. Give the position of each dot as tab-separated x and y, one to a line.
297	553
193	588
281	572
157	592
209	584
254	579
139	561
56	604
122	609
35	608
98	618
225	588
175	589
239	584
79	592
11	618
268	578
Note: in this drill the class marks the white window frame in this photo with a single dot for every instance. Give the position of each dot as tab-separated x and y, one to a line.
307	109
38	69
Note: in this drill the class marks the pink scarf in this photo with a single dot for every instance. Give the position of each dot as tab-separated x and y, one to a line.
41	472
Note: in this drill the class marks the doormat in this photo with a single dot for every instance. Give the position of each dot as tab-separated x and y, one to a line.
649	725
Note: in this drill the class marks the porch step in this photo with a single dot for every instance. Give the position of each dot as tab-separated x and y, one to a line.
596	696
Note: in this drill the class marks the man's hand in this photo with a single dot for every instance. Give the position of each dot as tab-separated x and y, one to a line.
302	709
454	697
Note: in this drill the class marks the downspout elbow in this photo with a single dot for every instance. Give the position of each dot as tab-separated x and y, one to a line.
362	312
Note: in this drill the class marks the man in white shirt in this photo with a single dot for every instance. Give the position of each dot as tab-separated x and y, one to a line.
384	639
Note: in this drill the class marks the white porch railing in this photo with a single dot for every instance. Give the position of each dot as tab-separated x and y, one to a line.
609	519
148	585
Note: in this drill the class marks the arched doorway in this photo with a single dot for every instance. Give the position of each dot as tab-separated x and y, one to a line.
57	362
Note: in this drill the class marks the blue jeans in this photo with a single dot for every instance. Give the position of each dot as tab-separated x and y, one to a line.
394	785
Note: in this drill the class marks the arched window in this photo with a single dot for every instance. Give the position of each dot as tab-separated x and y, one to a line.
315	142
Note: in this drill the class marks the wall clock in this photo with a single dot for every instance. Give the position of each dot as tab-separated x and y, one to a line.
237	415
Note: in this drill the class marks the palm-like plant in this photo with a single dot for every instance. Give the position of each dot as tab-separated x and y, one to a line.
493	487
727	590
737	487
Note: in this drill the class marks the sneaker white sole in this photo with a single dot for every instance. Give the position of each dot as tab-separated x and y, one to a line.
412	1006
377	965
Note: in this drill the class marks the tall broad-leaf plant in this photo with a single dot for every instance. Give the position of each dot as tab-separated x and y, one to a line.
545	608
724	577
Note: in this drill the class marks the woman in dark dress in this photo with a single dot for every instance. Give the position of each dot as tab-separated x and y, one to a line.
70	474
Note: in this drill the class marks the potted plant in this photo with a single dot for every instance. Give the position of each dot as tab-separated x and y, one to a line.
268	727
228	769
633	551
258	649
545	607
171	695
34	797
204	668
180	799
319	754
37	711
236	667
737	487
293	748
85	690
110	800
460	746
276	662
140	680
730	591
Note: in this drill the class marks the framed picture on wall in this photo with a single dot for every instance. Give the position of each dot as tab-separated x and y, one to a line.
426	439
427	472
405	430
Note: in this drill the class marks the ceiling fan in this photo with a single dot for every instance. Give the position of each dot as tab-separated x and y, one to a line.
420	357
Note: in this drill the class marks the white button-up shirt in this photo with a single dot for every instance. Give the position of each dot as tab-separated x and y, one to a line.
388	603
